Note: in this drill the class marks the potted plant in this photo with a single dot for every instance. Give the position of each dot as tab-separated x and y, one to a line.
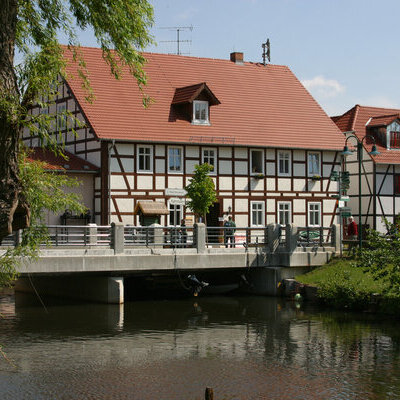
258	176
316	178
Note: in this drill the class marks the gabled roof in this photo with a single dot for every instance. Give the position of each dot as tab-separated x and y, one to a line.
355	120
382	120
53	162
151	208
188	94
260	105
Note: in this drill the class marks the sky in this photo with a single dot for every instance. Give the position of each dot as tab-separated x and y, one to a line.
344	52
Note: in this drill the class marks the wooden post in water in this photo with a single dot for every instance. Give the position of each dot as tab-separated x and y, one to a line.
209	395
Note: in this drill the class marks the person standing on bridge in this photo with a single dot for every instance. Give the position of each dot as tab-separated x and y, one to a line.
229	232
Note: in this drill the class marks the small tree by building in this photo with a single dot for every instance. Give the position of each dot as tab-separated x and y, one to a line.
201	191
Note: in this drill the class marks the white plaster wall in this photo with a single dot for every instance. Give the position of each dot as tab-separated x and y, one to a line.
193	151
190	166
329	156
225	167
241	183
242	220
257	184
329	206
387	204
226	203
240	152
94	158
299	169
241	168
270	169
284	184
271	205
326	221
271	185
160	182
387	187
299	206
160	166
175	182
241	205
270	154
145	182
326	170
124	205
270	219
117	182
160	150
225	152
299	155
125	149
299	185
299	220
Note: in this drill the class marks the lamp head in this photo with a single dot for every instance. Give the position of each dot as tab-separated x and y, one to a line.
346	151
374	151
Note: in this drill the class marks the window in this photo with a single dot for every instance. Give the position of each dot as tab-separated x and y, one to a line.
145	159
175	214
61	117
314	164
209	156
283	163
200	112
257	213
256	161
314	214
284	211
175	159
396	179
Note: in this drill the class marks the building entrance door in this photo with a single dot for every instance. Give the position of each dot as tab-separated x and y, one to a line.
212	221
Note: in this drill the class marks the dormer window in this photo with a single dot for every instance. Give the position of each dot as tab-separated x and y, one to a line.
193	103
200	112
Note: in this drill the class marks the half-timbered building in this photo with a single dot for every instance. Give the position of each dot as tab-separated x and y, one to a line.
380	174
271	145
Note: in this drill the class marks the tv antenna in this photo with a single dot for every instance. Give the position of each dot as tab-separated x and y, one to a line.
178	41
266	52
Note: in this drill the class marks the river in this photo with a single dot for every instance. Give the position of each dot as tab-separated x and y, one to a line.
242	347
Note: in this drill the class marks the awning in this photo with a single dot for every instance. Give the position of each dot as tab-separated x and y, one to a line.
151	208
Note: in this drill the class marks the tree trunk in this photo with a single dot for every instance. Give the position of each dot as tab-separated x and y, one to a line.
14	211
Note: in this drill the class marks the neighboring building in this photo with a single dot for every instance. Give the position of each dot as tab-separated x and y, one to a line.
74	167
380	186
272	146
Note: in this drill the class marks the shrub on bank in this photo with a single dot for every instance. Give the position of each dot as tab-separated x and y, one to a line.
341	284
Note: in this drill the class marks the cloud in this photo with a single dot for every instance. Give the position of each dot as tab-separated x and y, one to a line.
187	14
322	87
378	101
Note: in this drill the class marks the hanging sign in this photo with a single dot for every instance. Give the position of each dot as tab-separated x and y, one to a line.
175	192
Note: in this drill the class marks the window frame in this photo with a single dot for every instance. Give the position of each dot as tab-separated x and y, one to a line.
289	160
138	169
61	118
288	211
205	121
311	153
174	171
262	203
214	149
181	206
262	162
314	203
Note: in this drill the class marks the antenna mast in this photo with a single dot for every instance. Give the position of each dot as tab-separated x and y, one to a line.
178	41
266	52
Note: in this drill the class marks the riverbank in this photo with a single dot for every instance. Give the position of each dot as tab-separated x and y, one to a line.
343	285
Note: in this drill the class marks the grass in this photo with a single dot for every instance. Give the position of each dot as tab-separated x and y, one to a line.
343	285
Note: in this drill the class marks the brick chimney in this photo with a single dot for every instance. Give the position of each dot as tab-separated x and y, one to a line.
237	57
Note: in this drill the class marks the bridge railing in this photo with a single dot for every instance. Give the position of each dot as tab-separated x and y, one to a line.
172	237
237	237
314	236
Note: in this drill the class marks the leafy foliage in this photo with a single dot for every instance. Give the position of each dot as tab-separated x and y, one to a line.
382	258
44	191
201	190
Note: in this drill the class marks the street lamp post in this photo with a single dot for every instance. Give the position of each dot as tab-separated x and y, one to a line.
347	152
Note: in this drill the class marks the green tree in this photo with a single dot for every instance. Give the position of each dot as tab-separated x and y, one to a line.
31	28
201	191
44	191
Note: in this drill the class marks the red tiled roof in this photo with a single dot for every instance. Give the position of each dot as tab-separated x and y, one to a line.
356	119
55	162
190	93
260	105
382	120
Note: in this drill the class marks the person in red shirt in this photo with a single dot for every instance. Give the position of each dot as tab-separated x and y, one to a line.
352	229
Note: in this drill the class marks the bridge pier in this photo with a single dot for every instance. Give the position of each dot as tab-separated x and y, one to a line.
102	289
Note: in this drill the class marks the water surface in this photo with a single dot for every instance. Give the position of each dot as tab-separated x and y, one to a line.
243	347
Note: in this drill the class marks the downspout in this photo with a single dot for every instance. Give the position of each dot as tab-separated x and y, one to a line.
111	146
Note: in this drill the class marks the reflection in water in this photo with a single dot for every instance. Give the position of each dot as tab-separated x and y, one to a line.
243	347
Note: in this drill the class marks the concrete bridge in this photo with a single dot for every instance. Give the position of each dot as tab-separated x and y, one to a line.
97	269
